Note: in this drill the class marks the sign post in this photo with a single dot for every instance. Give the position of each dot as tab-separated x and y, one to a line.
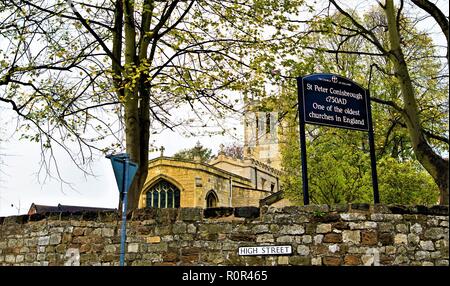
332	100
124	171
376	195
303	146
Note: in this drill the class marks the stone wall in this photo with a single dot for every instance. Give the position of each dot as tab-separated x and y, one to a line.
356	234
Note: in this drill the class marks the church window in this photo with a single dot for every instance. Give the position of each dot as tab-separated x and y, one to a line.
211	199
176	198
155	199
272	187
163	195
149	199
170	198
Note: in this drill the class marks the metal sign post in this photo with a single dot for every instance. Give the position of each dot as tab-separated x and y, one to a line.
124	171
376	195
303	144
332	100
124	211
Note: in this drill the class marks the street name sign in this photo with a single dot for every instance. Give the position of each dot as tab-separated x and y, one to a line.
265	250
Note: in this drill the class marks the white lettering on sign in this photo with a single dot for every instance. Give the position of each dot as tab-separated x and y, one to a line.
266	250
330	100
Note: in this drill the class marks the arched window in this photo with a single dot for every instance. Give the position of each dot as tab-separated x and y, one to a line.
164	203
176	199
155	195
170	198
211	199
163	195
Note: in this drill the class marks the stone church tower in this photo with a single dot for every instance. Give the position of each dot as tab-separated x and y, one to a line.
224	181
261	136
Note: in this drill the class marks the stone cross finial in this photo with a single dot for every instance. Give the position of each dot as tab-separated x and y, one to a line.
162	150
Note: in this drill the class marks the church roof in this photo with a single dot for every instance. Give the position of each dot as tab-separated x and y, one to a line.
273	198
246	162
206	167
40	209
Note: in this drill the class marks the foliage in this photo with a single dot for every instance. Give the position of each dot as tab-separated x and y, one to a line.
338	160
339	172
339	169
198	152
86	76
234	150
319	213
405	183
95	77
338	163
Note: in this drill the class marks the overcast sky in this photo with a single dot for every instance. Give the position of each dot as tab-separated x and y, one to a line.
19	183
20	186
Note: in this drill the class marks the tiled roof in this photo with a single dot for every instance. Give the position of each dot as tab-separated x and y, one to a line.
64	208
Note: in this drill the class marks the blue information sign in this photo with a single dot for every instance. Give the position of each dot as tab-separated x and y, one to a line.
329	99
118	164
333	100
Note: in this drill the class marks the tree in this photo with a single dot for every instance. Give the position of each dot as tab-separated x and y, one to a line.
339	166
101	70
431	160
411	83
234	150
198	152
406	183
81	72
338	163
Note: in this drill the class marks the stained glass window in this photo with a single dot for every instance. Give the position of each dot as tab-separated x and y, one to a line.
170	199
155	199
163	195
177	198
149	199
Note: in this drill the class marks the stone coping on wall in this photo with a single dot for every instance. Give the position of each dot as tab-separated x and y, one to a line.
348	234
321	212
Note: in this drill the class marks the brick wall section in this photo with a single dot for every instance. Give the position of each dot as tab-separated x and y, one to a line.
356	234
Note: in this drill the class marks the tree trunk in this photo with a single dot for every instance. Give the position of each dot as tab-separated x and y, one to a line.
131	102
436	166
144	100
137	95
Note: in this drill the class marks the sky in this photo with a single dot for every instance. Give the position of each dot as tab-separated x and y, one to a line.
20	186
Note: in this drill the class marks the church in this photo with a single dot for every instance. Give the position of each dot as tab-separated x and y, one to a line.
224	181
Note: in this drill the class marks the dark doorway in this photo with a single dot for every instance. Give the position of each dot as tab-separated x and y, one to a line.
211	199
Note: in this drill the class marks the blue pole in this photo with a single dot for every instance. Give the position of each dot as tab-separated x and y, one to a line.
123	235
